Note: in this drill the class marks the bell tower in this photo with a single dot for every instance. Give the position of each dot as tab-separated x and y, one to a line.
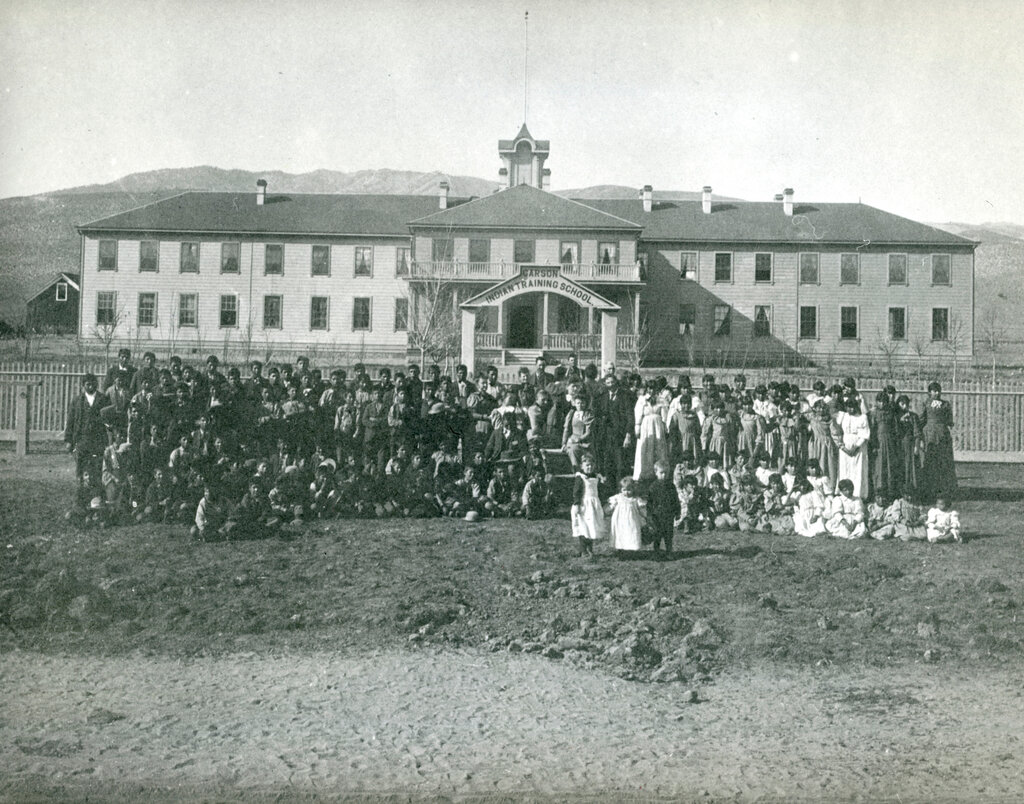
522	161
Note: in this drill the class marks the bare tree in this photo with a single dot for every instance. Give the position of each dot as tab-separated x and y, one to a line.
106	331
889	349
956	341
435	321
994	333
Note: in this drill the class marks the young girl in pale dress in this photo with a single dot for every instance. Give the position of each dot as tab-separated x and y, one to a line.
628	517
587	513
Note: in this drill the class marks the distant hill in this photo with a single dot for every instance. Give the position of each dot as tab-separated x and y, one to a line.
392	182
617	191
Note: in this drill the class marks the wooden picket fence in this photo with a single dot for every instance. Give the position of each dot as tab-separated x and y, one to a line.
989	422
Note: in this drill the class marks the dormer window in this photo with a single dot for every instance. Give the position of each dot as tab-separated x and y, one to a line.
62	291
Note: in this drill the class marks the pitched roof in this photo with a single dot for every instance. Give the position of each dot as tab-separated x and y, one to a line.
297	213
524	134
765	222
64	276
526	207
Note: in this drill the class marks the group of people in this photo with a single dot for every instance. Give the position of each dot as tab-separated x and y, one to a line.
237	457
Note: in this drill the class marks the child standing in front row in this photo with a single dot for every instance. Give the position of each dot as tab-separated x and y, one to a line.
587	513
943	523
628	517
662	508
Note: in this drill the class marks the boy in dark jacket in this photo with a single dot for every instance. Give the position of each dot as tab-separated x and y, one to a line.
662	508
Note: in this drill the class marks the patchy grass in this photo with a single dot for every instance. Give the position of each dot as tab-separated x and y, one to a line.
726	599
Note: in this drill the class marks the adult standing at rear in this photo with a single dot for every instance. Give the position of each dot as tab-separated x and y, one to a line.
85	433
938	473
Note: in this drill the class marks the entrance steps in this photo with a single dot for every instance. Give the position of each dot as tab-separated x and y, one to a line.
520	357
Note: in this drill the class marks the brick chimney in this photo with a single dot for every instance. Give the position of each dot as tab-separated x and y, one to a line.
647	194
442	195
787	201
261	192
705	200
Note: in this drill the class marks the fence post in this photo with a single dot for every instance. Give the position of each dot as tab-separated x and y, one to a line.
23	398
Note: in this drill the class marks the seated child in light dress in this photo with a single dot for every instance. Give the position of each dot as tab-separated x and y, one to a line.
878	526
943	523
846	514
809	516
777	508
718	505
907	520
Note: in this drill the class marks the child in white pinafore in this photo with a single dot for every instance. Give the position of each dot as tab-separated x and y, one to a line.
628	517
587	513
943	524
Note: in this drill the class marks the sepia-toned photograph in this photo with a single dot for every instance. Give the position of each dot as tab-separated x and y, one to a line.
490	401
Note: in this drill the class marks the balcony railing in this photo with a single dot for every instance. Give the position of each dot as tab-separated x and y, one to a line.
597	272
559	342
490	340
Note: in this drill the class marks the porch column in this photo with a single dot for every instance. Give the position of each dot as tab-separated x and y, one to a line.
544	325
469	340
609	335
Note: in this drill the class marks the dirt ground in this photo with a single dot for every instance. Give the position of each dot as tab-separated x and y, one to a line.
464	725
448	662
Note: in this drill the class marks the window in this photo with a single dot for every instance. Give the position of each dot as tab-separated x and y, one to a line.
848	323
897	269
108	255
897	323
62	291
229	310
608	253
723	319
687	264
762	320
809	274
942	272
364	261
762	267
272	312
360	314
479	250
318	312
809	322
523	251
106	308
723	267
849	269
568	253
401	261
442	249
401	315
687	318
230	257
149	256
273	259
321	262
940	324
147	310
189	258
188	310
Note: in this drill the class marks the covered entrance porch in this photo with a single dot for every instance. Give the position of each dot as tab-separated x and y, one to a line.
540	310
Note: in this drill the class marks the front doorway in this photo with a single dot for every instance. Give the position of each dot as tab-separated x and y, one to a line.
522	323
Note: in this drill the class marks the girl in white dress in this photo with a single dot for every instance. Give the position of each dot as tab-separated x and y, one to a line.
651	435
587	513
628	517
853	451
943	524
809	516
846	513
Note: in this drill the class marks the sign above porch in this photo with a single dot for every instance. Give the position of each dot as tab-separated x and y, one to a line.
540	279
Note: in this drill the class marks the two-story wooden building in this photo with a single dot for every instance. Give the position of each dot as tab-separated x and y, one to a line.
499	279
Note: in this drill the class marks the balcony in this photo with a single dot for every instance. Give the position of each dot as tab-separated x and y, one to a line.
587	273
560	342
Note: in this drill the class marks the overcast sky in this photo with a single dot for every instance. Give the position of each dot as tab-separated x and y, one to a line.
914	106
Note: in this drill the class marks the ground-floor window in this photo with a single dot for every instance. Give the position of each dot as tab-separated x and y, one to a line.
272	312
809	322
146	316
940	323
106	308
848	323
188	310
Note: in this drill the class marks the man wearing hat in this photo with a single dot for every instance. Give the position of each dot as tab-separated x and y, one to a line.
85	433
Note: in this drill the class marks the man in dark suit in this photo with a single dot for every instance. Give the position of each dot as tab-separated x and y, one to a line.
123	368
85	433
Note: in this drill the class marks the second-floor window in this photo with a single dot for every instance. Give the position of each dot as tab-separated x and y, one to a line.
897	269
762	267
149	256
523	250
321	262
107	255
401	261
569	253
809	265
942	272
608	253
723	267
687	264
479	250
189	258
230	256
273	259
364	261
849	269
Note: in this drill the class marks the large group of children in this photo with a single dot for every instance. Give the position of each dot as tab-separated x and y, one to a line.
235	457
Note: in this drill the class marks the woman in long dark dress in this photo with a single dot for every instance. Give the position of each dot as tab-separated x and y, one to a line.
938	474
909	428
885	460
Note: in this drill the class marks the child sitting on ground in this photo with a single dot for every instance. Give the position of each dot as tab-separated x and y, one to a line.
718	505
846	516
536	502
877	525
809	516
943	523
907	520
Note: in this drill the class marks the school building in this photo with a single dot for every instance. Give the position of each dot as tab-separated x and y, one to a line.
503	278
